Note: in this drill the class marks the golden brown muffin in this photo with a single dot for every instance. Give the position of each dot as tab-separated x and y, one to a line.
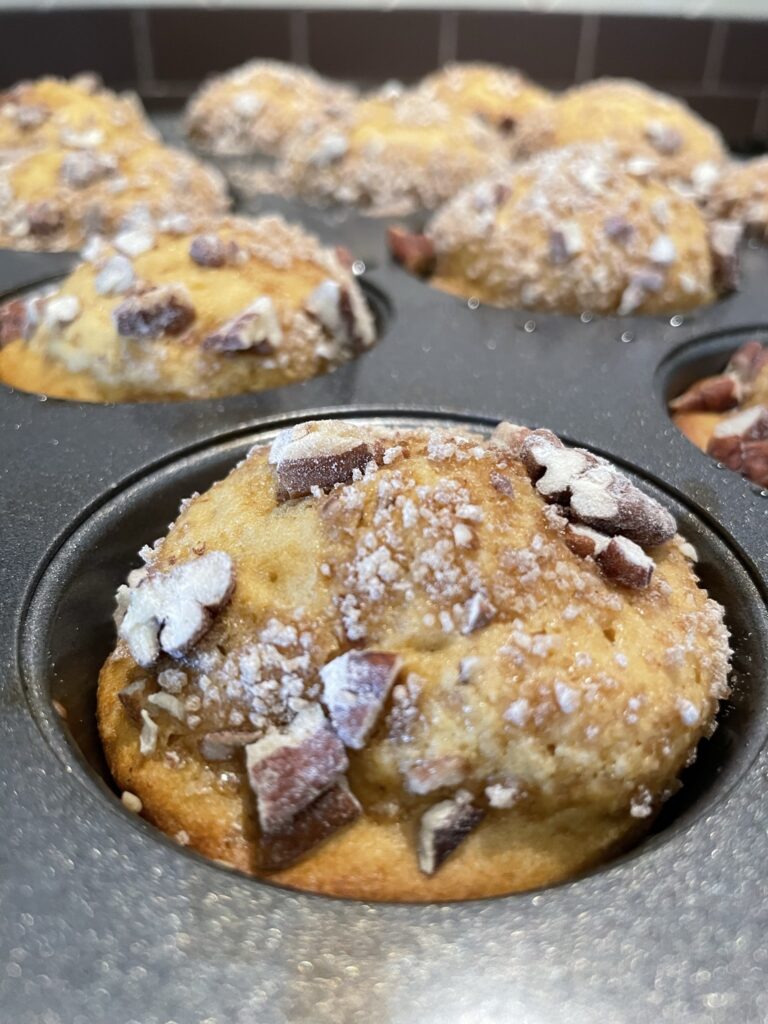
727	415
257	108
568	231
391	664
659	135
394	153
52	200
221	307
76	113
499	96
741	193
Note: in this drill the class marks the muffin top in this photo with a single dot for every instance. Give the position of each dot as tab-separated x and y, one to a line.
76	113
659	134
394	152
727	415
741	193
573	230
497	95
53	199
183	310
257	108
446	624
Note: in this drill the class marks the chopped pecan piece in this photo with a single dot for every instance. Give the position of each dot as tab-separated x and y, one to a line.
355	688
433	773
212	251
443	827
593	491
289	768
29	116
502	484
641	284
331	306
754	462
171	610
511	436
132	699
44	218
155	313
565	242
478	613
748	360
224	743
344	256
724	239
81	168
748	425
116	276
618	229
711	394
584	541
320	454
330	812
415	252
625	562
664	138
257	330
14	321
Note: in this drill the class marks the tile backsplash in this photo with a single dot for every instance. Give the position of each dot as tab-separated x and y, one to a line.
718	66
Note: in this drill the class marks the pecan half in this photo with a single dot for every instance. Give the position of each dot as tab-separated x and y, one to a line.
355	688
320	454
290	767
330	812
748	360
331	306
44	218
155	313
413	251
443	827
14	321
256	330
748	425
172	610
711	394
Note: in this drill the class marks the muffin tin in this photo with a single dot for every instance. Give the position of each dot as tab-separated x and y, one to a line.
104	918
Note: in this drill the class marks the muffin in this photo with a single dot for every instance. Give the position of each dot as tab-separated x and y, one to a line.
741	193
76	113
395	153
257	108
180	311
727	415
569	231
53	199
659	135
499	96
412	664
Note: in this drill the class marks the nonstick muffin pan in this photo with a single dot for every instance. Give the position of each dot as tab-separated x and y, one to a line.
105	919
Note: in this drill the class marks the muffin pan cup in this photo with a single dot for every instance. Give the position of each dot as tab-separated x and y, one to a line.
105	919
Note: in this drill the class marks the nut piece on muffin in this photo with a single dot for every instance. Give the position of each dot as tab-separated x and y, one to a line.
741	194
573	230
255	109
659	135
499	96
727	415
177	310
412	664
394	153
77	113
54	199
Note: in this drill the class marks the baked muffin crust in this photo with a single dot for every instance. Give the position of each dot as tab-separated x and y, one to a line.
188	310
482	704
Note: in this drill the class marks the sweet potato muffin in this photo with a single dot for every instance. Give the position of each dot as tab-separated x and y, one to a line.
499	96
181	311
255	109
76	113
659	135
53	199
741	193
572	230
396	152
727	415
412	664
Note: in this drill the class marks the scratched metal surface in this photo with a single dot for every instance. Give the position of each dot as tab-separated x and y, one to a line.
103	919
